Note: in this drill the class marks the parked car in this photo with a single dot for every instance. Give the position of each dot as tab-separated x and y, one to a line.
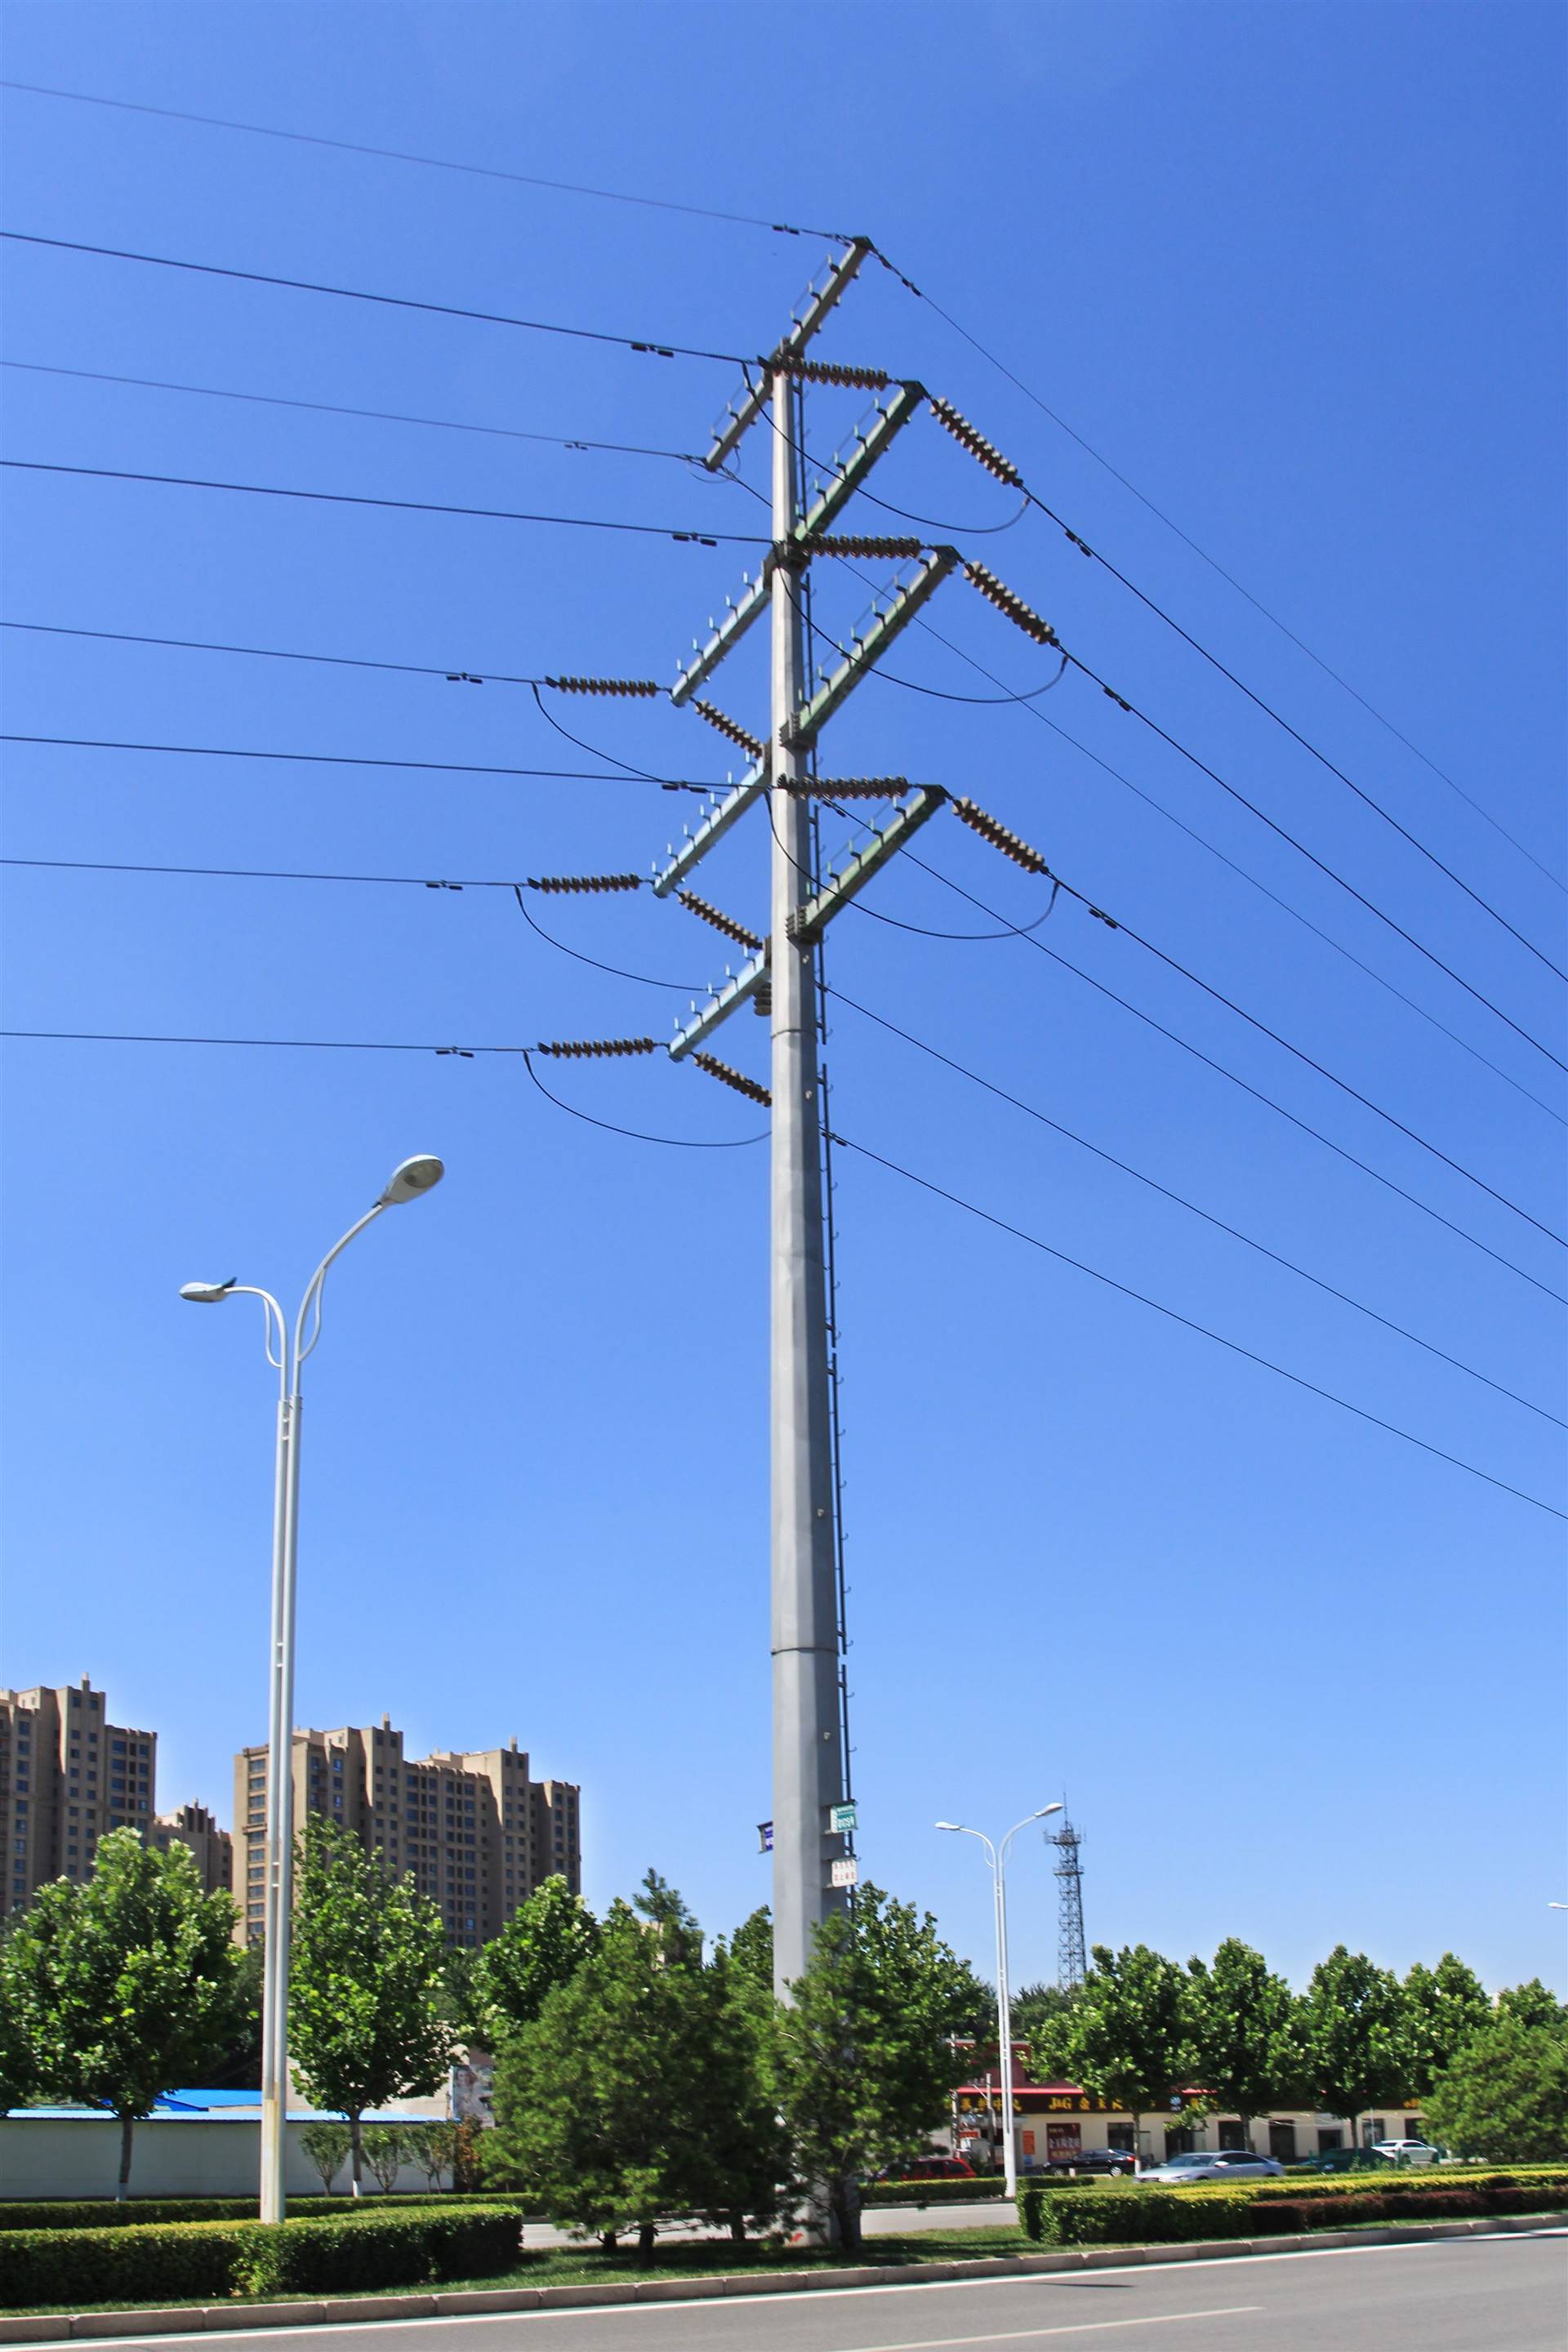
1345	2159
1407	2151
1093	2159
1212	2164
931	2168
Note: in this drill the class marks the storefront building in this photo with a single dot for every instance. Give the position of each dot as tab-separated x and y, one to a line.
1056	2121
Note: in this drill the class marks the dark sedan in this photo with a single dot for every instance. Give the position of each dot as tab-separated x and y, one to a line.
1093	2159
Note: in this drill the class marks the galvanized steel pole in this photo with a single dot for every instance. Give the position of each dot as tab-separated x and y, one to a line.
808	1758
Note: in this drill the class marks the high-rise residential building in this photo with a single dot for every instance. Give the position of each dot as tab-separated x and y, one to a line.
474	1832
193	1825
68	1776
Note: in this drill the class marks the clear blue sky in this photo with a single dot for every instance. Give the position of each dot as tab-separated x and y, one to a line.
1297	272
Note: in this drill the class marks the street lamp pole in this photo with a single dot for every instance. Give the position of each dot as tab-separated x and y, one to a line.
408	1180
997	1857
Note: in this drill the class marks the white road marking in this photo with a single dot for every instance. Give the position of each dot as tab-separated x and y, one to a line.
1075	2327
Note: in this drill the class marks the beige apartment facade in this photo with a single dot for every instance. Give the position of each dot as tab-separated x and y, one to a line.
474	1830
67	1776
213	1848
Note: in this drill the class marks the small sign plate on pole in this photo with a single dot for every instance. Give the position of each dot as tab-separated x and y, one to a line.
764	1837
846	1872
841	1819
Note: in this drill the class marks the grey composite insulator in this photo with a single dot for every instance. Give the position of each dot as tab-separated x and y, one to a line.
562	882
762	999
721	921
848	788
990	829
1022	616
979	448
578	1049
848	544
728	726
645	686
863	379
736	1078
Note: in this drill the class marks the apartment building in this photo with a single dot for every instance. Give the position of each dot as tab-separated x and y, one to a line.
68	1776
475	1832
213	1847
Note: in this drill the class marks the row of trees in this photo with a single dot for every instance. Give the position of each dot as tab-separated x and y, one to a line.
1230	2036
640	2073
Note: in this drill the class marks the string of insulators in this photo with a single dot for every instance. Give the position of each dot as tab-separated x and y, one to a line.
560	882
728	726
645	686
848	788
990	829
1022	616
979	448
847	544
721	921
579	1049
863	379
736	1078
762	999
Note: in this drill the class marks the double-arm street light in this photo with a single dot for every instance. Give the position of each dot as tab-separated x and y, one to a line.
996	1856
288	1355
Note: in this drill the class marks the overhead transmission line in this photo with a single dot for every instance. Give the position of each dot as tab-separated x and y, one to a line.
789	228
355	759
699	538
371	416
646	345
1204	1330
422	882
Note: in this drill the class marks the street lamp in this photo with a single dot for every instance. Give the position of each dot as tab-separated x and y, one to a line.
996	1856
407	1183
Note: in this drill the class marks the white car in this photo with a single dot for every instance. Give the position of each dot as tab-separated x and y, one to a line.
1406	2151
1213	2163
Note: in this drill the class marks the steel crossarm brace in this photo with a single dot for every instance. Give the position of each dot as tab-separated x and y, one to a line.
933	571
713	827
742	985
901	404
746	407
885	842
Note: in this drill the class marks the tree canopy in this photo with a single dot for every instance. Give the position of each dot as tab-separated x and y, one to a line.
1243	2026
543	1945
1352	2035
1444	2007
1504	2095
1131	2028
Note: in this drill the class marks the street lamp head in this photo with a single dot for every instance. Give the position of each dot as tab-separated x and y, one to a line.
949	1825
408	1180
1045	1810
207	1294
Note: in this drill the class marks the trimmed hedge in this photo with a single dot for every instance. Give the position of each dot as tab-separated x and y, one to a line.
955	2191
104	2213
209	2260
1429	2180
1159	2217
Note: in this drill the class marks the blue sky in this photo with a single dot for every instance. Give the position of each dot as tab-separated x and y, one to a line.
1297	272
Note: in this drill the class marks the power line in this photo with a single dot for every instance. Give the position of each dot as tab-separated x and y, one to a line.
354	760
374	415
1202	1329
1215	565
1317	1282
432	163
650	347
278	652
406	506
260	873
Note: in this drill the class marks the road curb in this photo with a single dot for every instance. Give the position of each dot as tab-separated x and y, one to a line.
57	2327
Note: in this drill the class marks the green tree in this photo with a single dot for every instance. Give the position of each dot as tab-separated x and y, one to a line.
866	2061
1532	2004
679	1937
22	2070
751	1949
461	2004
744	2168
1444	2007
128	1980
366	2006
1504	2095
603	2101
434	2149
1131	2038
543	1945
1353	2036
1042	2016
1245	2048
326	2145
385	2148
235	2064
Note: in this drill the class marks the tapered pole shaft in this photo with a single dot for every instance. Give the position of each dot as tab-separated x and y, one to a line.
808	1760
1004	2029
278	1914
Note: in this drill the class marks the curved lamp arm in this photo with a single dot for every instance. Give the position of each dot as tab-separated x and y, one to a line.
312	1298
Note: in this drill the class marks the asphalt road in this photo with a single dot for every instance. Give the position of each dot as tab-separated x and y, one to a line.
1478	2295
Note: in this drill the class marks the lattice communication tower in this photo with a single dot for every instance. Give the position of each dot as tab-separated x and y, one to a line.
1071	1957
